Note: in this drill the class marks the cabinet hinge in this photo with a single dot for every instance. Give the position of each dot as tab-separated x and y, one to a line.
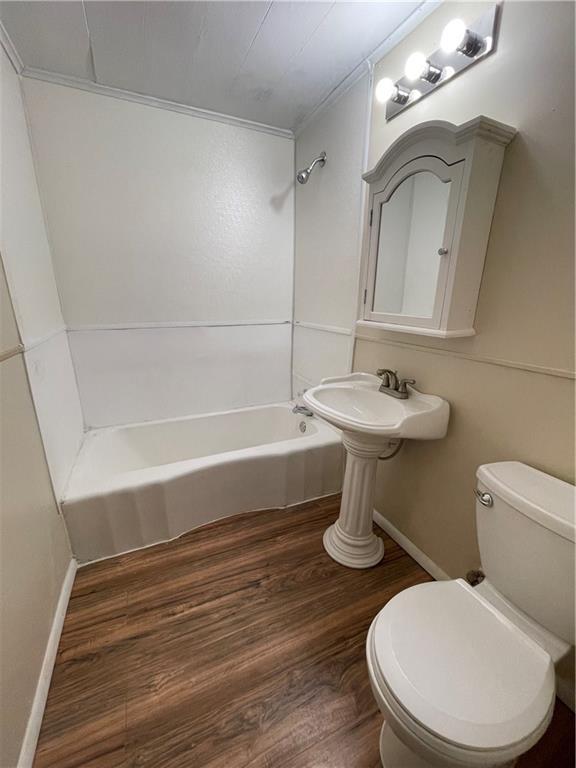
365	294
371	214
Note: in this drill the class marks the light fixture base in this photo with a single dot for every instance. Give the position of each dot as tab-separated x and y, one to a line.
432	74
401	96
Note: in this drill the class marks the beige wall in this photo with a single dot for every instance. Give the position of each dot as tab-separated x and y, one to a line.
509	386
34	550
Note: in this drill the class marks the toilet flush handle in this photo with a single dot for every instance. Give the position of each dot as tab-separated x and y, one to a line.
484	498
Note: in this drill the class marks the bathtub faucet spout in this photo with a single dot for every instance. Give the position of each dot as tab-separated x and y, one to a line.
302	410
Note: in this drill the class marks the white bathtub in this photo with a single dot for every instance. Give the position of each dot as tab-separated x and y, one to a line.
140	484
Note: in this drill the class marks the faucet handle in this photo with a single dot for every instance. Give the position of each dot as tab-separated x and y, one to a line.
389	378
384	374
403	383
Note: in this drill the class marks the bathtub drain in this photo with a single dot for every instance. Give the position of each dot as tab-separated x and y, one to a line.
302	426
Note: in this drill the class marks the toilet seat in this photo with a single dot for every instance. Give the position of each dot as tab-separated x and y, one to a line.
457	672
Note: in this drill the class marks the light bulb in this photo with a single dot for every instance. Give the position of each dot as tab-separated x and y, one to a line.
453	35
456	37
385	89
416	65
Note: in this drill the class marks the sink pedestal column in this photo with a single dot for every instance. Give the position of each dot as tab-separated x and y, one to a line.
350	540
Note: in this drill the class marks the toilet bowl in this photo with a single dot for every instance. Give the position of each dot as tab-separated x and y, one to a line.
463	675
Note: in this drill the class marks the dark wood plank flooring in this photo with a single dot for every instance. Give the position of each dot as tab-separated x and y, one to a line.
240	645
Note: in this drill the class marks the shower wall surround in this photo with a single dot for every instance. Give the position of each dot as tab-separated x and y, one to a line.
328	218
172	241
27	260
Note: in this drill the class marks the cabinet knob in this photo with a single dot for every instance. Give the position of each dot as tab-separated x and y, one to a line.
442	251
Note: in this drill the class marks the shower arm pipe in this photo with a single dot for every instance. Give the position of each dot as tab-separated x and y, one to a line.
320	159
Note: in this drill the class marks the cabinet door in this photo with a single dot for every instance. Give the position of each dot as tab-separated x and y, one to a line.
411	237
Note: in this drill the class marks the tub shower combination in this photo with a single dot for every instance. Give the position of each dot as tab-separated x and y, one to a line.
137	485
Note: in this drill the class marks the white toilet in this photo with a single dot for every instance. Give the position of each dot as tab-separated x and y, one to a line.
464	676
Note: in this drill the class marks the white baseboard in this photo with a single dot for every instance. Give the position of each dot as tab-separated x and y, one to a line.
28	749
415	553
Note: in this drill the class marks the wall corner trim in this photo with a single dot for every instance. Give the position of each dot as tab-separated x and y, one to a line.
28	749
408	546
10	49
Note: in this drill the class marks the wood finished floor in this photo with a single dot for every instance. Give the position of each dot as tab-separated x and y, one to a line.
240	645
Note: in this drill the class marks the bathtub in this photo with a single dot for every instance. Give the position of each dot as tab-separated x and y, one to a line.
140	484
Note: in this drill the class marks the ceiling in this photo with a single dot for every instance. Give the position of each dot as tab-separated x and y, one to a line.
267	62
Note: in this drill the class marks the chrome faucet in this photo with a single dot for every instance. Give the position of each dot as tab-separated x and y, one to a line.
302	410
392	385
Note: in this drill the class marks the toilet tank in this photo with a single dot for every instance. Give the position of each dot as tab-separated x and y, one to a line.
526	537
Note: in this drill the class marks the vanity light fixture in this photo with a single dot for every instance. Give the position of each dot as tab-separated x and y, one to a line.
419	68
462	44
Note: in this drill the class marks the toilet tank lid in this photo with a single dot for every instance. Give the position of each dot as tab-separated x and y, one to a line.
545	499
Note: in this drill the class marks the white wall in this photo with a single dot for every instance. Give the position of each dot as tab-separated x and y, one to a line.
28	264
327	238
162	219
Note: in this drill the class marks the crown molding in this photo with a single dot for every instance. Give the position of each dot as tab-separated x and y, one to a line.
479	127
10	49
485	128
151	101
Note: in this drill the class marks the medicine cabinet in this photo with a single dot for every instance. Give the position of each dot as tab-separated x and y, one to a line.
431	200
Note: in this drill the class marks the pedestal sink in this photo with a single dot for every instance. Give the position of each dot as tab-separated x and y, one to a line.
369	420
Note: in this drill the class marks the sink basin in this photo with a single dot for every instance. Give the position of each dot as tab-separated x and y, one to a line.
354	404
369	421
